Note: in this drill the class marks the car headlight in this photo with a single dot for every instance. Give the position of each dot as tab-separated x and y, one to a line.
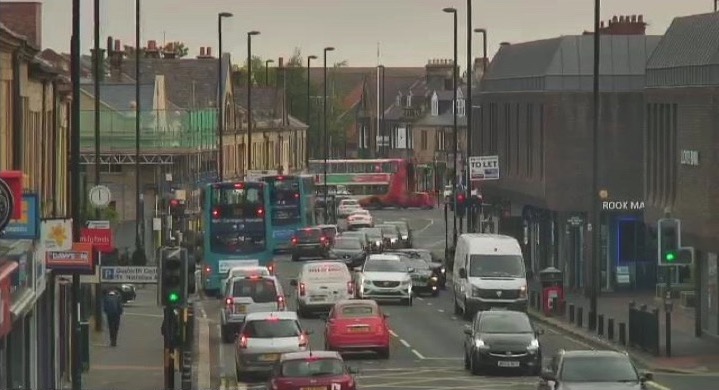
442	270
523	291
475	291
405	237
479	343
533	345
392	240
434	278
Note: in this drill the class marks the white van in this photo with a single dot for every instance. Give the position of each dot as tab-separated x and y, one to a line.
488	272
320	284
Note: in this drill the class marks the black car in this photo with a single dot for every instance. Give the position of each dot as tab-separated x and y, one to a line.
390	236
126	291
435	263
350	250
405	233
590	369
376	239
423	279
502	339
309	242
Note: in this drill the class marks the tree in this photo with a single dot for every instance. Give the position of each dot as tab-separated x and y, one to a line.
178	47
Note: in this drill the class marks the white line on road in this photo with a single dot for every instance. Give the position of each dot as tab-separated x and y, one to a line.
416	353
420	299
440	310
419	231
572	339
454	318
429	303
393	333
406	344
221	356
657	386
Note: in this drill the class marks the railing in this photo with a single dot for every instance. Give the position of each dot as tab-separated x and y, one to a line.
160	130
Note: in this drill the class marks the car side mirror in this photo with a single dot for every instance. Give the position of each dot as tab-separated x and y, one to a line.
538	331
467	330
353	370
462	273
646	377
548	375
293	282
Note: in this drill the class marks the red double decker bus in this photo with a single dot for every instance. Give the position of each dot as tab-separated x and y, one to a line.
375	183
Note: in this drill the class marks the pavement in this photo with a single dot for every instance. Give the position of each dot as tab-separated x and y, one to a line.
137	361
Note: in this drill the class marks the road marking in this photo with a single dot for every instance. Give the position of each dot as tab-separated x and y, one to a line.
420	298
657	386
454	318
431	222
144	315
440	310
419	355
406	344
429	303
393	333
203	379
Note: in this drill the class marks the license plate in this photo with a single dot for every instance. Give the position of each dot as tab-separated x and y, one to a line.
268	358
240	308
359	329
317	298
314	388
502	363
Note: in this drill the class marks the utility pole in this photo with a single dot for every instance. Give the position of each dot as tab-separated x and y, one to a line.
468	108
595	213
97	77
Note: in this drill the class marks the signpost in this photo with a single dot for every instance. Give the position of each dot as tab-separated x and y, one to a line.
128	274
484	168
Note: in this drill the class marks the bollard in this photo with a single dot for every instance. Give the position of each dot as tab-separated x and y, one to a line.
622	334
571	313
580	316
610	329
600	324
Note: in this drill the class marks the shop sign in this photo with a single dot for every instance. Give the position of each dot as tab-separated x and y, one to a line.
27	227
623	205
79	259
101	239
56	234
6	298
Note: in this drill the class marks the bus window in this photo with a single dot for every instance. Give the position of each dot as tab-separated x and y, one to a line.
237	220
285	200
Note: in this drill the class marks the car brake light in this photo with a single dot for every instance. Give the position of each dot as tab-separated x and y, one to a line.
303	340
271	269
280	178
302	289
281	303
260	212
297	196
216	213
229	301
208	270
240	185
243	342
254	277
350	288
294	240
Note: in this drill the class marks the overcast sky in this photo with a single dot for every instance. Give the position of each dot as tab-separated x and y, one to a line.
409	31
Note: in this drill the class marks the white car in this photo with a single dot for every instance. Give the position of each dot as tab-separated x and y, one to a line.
320	284
385	277
359	219
245	295
347	206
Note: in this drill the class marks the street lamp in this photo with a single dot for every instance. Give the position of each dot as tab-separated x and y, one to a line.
249	97
220	98
324	127
307	134
139	254
468	108
267	71
594	198
483	31
75	366
453	11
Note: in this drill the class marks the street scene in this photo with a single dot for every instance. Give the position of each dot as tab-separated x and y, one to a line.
233	196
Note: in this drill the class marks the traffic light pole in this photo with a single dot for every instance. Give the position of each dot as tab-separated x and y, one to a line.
668	311
169	331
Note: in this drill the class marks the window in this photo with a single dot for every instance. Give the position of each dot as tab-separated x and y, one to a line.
272	328
435	104
260	290
423	140
398	100
460	107
409	100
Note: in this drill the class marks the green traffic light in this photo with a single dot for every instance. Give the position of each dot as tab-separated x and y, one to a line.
173	297
670	256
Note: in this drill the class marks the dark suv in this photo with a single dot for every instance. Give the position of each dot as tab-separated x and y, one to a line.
309	242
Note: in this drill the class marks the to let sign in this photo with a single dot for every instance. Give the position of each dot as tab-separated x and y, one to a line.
100	239
484	168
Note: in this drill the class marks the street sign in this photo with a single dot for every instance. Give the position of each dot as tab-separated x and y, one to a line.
100	196
128	274
97	224
484	168
101	239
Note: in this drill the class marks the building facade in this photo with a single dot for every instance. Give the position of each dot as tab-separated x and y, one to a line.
536	115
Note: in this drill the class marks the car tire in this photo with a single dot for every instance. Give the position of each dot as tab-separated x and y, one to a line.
474	366
383	353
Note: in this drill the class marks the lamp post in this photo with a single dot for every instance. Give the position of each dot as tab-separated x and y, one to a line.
220	99
594	198
249	97
453	11
97	68
468	108
324	127
307	134
75	203
139	254
267	72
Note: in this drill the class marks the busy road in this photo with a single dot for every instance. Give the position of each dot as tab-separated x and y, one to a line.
426	346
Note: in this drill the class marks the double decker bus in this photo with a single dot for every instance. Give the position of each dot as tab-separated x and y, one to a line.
236	230
291	207
375	183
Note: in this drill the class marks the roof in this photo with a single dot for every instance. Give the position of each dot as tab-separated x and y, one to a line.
592	353
282	315
308	354
482	242
444	119
190	82
121	96
566	64
687	54
266	101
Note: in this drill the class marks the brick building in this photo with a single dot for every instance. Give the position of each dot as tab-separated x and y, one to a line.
680	142
536	115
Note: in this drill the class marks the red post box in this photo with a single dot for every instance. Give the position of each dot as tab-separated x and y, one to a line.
552	290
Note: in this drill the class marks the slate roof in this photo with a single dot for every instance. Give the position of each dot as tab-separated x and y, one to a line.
566	64
190	82
120	96
266	101
688	53
442	120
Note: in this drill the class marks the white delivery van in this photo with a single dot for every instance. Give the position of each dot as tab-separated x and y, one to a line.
488	272
320	284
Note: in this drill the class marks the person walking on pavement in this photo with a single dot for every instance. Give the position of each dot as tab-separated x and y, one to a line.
113	310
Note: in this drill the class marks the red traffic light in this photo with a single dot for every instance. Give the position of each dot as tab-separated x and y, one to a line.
460	198
174	203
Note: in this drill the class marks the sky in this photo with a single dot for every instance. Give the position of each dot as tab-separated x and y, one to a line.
408	32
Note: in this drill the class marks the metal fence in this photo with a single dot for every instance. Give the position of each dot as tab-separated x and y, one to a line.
644	328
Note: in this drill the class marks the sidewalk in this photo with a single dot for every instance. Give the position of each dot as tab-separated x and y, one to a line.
689	353
137	361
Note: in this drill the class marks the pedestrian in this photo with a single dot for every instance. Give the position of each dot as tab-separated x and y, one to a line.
113	310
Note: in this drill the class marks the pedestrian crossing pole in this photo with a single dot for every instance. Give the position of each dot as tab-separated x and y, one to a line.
168	332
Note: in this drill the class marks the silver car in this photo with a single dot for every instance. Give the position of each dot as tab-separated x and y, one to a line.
264	338
246	295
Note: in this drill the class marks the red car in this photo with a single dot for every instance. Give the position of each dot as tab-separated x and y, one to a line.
312	370
357	325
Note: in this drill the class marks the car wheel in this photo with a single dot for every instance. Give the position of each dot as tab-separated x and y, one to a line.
474	366
383	353
466	361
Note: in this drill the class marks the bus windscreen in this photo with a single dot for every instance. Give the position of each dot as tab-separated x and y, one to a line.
238	219
285	201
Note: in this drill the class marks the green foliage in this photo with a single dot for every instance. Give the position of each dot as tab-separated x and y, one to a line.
101	214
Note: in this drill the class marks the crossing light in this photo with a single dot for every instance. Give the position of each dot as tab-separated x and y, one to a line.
174	280
177	207
668	241
461	204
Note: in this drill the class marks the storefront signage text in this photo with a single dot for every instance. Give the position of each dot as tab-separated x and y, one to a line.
27	227
690	157
77	260
623	205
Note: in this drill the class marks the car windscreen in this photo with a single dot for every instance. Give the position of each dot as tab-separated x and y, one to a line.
358	235
329	231
357	310
305	368
417	264
511	266
261	290
501	323
348	243
373	233
598	369
271	328
259	271
389	230
384	266
309	234
402	228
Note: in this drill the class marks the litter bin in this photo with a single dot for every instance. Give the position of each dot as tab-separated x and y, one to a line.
552	290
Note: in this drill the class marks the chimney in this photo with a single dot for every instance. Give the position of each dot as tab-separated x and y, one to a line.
208	52
624	25
205	53
152	51
437	72
169	51
116	54
24	18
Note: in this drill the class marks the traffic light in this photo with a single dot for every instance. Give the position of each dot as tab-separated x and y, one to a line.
669	241
177	207
174	280
461	204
